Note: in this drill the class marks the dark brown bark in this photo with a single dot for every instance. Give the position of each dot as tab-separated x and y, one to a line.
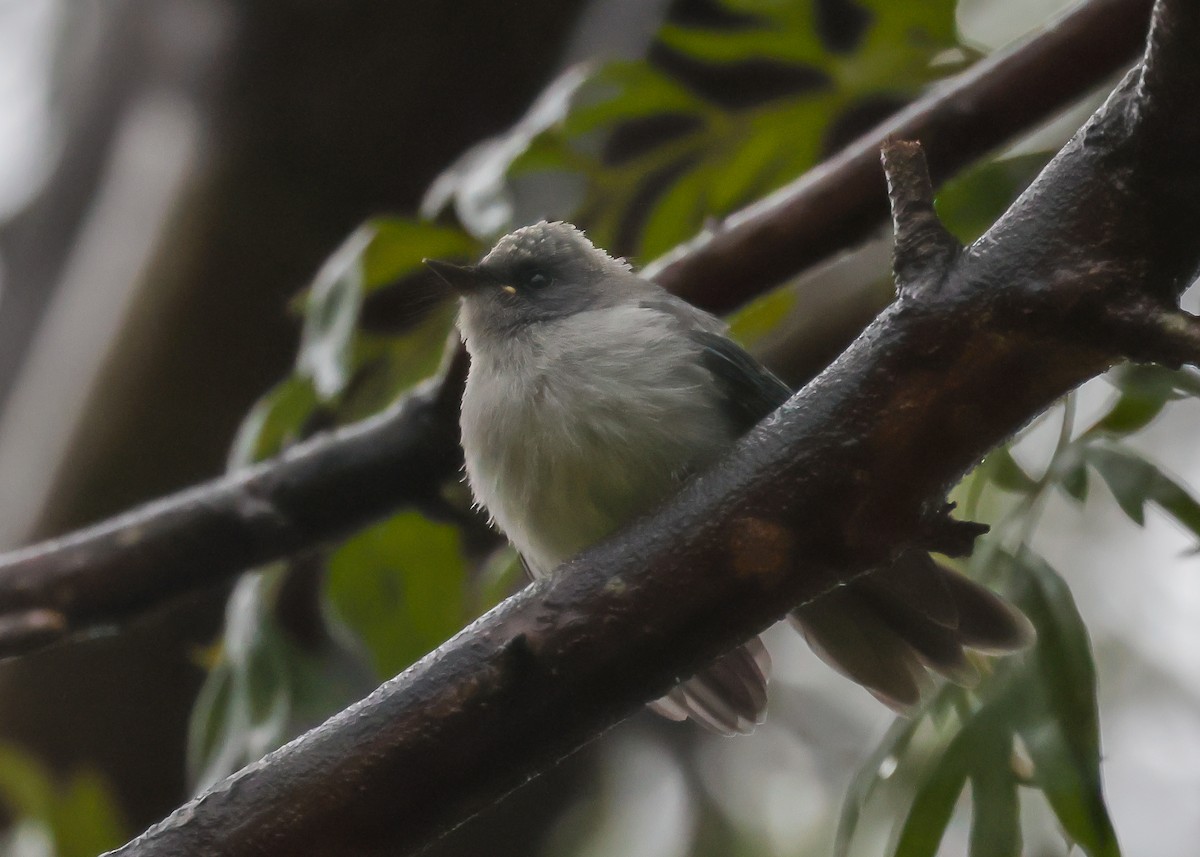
1078	274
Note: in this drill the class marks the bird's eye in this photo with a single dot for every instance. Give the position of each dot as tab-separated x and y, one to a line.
538	281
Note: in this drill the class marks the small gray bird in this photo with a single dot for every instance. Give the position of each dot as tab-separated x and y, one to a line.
593	394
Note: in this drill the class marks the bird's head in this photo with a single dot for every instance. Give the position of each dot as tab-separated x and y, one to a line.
536	274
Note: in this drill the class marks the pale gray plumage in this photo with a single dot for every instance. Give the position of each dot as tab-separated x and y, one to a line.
593	394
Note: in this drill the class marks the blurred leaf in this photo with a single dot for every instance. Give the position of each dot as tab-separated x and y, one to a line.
971	202
475	184
275	421
1131	412
267	687
400	586
376	255
995	808
971	753
85	818
1074	480
501	576
75	817
877	768
1047	697
330	312
397	246
933	803
719	117
1156	381
1135	481
1060	721
755	320
1005	473
1144	390
391	365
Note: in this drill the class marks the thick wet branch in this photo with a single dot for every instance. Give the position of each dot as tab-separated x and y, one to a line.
848	472
317	491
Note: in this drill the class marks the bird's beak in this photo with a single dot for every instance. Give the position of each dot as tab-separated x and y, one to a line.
464	279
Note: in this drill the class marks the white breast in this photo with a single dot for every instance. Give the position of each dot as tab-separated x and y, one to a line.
571	431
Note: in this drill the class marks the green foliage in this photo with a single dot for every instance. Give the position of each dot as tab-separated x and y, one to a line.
1033	723
970	202
390	593
664	146
334	350
268	686
1041	704
75	817
402	586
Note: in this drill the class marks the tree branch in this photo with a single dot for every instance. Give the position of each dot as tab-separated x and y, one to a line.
317	491
840	202
924	249
337	483
846	474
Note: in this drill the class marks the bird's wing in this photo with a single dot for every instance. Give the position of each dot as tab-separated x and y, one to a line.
884	630
748	388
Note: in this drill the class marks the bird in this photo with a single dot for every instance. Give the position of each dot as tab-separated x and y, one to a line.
593	394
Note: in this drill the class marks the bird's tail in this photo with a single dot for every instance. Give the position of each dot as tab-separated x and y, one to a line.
888	629
729	696
885	631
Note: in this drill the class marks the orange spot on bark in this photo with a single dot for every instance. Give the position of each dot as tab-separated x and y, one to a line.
760	548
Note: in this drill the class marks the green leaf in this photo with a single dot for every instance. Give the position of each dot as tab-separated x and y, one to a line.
475	185
500	577
330	315
1130	413
392	365
275	421
85	818
1059	720
401	587
1005	473
753	322
1152	380
397	246
933	804
652	184
877	768
1074	480
267	687
1144	391
1135	481
76	816
379	253
996	811
971	201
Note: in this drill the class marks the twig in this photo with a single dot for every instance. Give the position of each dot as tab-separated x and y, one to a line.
924	249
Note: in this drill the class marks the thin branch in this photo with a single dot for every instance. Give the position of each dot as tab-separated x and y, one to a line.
846	474
1151	333
924	249
337	483
841	202
317	491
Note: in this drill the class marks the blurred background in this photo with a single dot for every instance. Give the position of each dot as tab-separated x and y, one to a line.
174	175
